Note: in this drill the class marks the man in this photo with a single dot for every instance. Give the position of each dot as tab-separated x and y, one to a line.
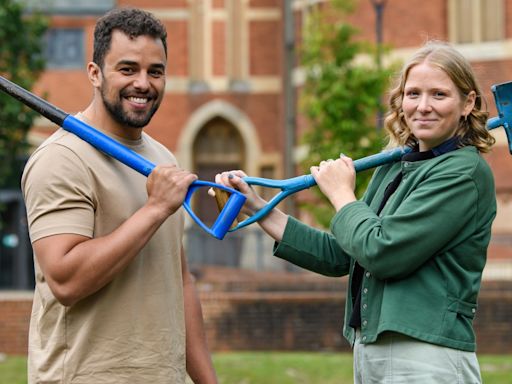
114	298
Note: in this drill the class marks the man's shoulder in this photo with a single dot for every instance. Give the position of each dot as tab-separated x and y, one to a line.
61	152
61	139
156	148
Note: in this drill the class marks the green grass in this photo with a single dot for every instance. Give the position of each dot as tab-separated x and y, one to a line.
13	370
283	368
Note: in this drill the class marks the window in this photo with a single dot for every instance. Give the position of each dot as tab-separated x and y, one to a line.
16	260
476	21
70	7
64	48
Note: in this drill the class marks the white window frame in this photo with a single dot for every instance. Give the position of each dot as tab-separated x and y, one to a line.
477	27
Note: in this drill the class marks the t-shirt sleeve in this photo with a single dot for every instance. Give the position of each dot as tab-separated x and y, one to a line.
58	193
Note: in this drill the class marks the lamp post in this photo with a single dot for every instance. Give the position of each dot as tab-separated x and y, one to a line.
378	6
289	96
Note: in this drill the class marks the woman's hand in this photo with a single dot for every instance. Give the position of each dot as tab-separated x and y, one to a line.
234	179
336	179
274	223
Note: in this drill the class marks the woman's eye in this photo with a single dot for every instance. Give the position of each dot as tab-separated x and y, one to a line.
412	94
439	95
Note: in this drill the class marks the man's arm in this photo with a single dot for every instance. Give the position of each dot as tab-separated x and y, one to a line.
76	266
199	363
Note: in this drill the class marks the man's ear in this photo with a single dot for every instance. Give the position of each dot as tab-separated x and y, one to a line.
94	74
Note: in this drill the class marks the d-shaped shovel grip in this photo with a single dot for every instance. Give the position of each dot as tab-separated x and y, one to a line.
138	163
125	155
503	99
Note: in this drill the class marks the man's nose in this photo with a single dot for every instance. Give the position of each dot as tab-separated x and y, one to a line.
141	81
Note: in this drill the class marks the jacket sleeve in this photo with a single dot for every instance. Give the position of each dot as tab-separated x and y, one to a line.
427	222
312	249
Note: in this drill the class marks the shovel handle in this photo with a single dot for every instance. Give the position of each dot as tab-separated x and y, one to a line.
299	183
125	155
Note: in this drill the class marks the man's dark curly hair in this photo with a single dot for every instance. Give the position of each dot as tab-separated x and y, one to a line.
132	22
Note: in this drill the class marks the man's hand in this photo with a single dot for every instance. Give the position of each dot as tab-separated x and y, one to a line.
167	187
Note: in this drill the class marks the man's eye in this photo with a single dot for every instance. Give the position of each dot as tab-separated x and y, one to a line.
156	73
126	70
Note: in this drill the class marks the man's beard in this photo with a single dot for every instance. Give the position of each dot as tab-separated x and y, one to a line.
129	119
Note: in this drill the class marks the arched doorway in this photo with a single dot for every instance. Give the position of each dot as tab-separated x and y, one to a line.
217	147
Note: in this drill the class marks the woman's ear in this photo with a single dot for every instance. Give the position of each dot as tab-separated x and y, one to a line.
469	103
94	74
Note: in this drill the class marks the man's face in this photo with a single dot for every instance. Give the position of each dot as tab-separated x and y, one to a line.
133	79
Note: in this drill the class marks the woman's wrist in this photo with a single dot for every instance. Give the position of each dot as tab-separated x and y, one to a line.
342	198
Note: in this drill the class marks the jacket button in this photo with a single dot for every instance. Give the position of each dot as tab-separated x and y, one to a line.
365	290
368	274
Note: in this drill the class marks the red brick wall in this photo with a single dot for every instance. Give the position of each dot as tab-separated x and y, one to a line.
308	316
274	321
15	311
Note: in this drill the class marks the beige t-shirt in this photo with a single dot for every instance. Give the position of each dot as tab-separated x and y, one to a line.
133	329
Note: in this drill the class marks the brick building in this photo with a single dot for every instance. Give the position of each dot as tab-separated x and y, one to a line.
225	108
225	104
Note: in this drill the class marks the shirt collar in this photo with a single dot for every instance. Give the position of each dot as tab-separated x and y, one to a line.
447	146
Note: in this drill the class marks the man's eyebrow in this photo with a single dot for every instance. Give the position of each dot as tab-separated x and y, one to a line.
136	64
158	65
126	62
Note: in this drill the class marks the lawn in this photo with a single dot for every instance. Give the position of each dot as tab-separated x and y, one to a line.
283	368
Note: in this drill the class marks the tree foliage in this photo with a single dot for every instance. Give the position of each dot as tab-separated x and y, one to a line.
21	61
340	98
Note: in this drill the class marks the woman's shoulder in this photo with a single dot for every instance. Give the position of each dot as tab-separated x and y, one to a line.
468	158
467	162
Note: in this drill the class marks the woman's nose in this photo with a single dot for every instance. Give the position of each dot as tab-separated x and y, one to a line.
424	104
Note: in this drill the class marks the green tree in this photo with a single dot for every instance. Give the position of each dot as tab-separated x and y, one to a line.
21	61
341	96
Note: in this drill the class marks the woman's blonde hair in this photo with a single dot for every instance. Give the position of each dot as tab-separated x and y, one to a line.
472	128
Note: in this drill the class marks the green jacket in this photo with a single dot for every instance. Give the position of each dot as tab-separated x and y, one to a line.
423	255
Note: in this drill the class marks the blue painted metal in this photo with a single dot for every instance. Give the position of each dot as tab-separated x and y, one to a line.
502	95
503	99
138	163
125	155
299	183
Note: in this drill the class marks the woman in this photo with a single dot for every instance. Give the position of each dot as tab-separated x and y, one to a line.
415	245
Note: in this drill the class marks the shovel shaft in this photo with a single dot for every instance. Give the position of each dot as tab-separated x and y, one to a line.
125	155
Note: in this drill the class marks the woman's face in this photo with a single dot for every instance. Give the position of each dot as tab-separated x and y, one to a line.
432	105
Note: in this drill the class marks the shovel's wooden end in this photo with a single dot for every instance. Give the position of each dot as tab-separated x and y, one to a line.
221	197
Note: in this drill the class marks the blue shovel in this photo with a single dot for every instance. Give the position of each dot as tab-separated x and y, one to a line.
126	156
502	96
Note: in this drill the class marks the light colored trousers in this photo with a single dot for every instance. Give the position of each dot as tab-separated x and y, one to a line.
399	359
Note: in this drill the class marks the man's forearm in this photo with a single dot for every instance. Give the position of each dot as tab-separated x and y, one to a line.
199	364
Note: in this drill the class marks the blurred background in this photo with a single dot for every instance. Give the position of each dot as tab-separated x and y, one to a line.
270	87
